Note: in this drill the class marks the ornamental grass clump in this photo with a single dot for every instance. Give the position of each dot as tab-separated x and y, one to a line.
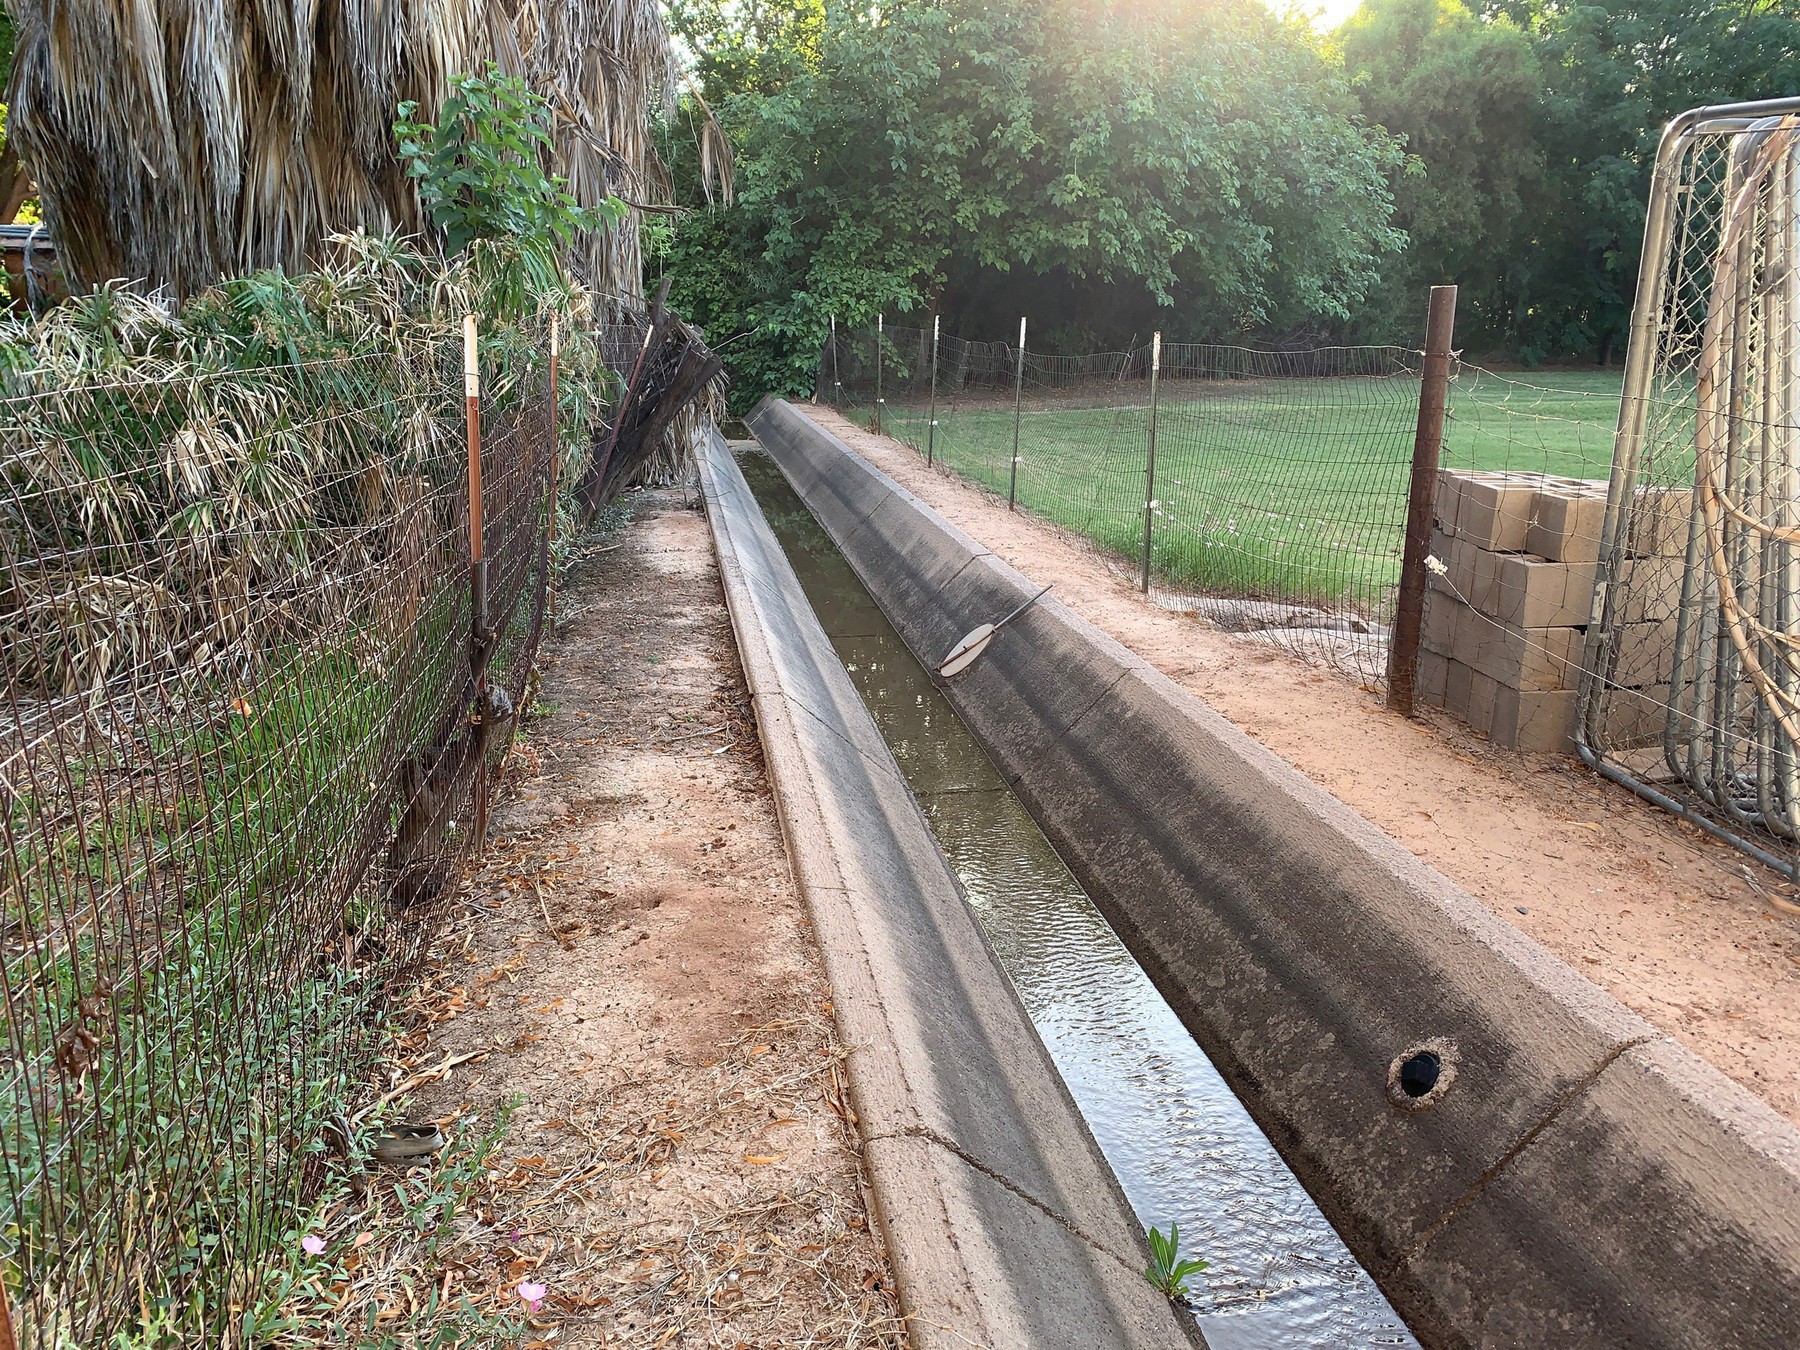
179	482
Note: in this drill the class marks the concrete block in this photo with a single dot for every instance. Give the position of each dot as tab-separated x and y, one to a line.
1566	523
1458	689
1516	719
1629	718
1444	500
1645	654
1483	569
1533	592
1484	694
1657	525
1437	622
1648	589
1468	571
1433	672
1494	509
1443	547
1521	658
1534	720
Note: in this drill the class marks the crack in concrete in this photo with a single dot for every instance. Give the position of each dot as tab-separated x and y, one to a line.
931	1136
836	727
1013	780
1482	1182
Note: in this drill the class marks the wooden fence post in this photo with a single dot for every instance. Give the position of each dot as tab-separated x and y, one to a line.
1428	444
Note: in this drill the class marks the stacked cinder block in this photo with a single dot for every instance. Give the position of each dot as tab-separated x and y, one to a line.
1504	621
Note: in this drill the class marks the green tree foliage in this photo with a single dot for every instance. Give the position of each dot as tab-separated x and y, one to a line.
1462	93
1616	71
1532	127
1195	165
1113	166
481	179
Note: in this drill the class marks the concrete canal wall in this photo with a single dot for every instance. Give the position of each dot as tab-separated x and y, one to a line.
1516	1157
1003	1221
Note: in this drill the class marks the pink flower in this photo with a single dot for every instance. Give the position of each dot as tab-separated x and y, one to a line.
312	1245
533	1294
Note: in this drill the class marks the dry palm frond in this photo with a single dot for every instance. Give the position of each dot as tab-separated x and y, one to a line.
716	163
180	142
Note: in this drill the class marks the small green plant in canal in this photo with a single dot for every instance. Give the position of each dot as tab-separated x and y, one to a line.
1167	1271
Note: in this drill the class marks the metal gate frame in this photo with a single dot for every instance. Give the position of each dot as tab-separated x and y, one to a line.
1646	332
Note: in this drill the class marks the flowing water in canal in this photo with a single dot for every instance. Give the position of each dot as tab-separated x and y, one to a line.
1181	1144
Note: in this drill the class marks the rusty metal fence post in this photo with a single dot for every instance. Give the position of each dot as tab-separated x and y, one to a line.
1012	482
1150	458
1428	444
931	412
837	382
555	474
478	571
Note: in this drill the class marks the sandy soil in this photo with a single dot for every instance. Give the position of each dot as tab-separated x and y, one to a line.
638	969
1678	927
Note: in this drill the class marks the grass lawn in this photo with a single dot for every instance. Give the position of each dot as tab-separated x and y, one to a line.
1280	489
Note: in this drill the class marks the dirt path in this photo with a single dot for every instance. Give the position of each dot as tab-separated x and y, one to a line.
642	975
1676	926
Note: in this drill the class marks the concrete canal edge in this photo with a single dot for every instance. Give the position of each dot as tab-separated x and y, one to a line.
1004	1224
1573	1177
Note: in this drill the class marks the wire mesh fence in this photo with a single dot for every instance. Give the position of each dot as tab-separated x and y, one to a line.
249	708
1693	688
1274	500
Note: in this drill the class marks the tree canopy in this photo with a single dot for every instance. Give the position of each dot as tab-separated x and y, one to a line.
1532	128
1107	164
1199	166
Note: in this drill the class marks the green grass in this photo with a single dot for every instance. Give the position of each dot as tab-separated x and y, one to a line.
1279	489
387	1294
231	1029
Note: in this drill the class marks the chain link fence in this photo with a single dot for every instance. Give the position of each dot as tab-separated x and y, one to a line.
1692	695
1272	499
250	714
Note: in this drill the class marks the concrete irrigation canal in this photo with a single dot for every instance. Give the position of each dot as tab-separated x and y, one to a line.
1103	962
1182	1147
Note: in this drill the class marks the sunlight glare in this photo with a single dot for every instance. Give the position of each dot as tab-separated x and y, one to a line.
1325	15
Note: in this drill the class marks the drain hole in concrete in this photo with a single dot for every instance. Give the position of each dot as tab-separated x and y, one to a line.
1419	1074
